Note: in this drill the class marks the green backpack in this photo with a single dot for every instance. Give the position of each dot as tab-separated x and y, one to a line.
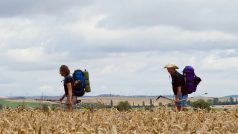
87	82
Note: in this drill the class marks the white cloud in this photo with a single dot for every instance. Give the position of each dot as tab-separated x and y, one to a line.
35	55
26	55
92	32
87	28
214	62
49	90
17	29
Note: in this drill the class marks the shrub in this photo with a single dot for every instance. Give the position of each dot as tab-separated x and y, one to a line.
111	104
170	105
201	104
1	106
45	108
123	106
54	106
151	103
160	104
100	105
149	108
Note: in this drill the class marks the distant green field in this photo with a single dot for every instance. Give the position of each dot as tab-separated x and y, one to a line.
14	104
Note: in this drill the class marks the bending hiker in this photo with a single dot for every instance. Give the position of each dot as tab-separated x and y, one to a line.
68	87
74	86
178	85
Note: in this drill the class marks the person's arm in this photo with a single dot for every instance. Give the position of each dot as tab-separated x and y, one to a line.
179	93
61	99
70	91
180	81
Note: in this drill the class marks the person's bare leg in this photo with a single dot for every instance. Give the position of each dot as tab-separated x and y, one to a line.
70	108
179	108
74	100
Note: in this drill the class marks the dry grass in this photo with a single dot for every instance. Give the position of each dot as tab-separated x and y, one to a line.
104	121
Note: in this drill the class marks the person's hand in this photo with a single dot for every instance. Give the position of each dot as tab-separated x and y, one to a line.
70	102
61	99
176	101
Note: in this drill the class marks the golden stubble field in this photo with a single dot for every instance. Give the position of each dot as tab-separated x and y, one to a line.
111	121
131	100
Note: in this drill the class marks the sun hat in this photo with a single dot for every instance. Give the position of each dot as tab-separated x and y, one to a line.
171	66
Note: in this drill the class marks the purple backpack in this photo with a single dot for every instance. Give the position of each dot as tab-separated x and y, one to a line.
191	80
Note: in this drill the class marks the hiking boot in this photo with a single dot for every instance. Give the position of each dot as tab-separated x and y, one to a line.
78	101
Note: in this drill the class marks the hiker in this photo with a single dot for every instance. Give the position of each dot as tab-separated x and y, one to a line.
68	87
178	85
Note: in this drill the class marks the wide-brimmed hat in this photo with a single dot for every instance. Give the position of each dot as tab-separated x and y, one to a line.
171	66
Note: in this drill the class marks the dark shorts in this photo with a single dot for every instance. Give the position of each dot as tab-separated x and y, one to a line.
79	94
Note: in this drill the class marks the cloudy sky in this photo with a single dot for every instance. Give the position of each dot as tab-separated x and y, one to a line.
124	44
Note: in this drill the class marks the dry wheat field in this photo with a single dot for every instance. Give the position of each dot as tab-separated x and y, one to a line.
111	121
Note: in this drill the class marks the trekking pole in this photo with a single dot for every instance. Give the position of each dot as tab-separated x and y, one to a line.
75	105
167	98
173	101
55	101
161	97
179	100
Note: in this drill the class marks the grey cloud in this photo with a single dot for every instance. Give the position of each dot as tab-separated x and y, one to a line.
11	8
79	47
227	53
11	66
193	15
28	67
143	45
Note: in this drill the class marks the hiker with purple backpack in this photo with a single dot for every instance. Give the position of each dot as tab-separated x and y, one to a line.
183	84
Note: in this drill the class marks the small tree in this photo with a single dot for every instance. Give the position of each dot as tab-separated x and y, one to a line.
201	104
123	106
160	104
100	105
111	103
1	106
210	102
215	101
23	105
169	105
151	103
227	102
45	107
143	103
231	101
55	106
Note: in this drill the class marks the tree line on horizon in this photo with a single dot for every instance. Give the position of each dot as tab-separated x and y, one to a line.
216	101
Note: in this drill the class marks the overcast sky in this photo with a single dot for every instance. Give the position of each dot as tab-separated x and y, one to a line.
123	44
